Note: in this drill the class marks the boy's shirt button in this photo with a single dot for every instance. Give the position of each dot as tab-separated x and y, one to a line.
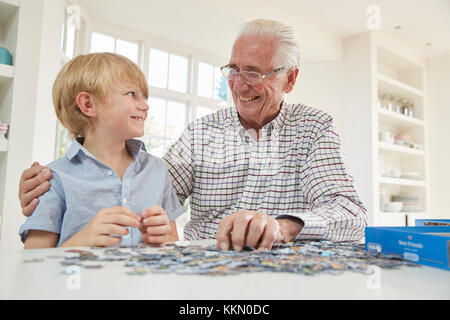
128	235
110	173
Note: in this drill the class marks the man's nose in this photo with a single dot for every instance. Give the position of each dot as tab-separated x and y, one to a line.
239	84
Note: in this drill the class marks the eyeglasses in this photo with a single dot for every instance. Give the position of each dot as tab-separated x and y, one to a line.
250	77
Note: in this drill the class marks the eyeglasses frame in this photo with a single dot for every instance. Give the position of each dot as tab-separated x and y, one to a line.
260	75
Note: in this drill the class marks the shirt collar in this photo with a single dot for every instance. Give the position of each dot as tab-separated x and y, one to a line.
133	146
276	124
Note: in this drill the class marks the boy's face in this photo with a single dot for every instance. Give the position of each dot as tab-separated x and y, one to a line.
123	113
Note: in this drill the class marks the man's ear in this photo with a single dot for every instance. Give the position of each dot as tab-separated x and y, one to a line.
86	104
292	77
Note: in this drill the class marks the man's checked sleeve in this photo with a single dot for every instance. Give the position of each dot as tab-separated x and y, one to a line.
336	212
180	164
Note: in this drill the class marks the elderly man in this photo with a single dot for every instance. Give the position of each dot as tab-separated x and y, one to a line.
260	172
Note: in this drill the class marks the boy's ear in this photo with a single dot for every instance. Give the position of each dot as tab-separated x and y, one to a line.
86	104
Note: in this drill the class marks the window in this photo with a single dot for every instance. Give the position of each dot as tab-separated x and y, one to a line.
127	49
70	41
69	35
102	43
70	25
172	100
166	121
62	140
168	71
158	68
178	68
211	82
105	43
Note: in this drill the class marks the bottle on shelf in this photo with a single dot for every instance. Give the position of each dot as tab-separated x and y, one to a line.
388	102
3	134
397	104
380	101
411	109
405	107
384	199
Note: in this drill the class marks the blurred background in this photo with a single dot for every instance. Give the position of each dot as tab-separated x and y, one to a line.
380	68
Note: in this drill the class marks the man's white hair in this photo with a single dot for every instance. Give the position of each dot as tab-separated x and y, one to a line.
288	51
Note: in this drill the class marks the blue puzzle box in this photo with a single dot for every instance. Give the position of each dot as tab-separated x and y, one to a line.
427	245
432	222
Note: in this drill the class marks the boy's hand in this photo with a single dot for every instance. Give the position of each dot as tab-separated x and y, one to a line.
155	226
101	230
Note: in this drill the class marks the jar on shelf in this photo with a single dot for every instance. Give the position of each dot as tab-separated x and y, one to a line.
3	133
397	104
380	101
388	102
404	107
384	199
411	109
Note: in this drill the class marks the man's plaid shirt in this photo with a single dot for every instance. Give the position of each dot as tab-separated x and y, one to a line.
295	169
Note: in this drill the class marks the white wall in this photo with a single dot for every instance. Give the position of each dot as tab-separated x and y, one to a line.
438	86
45	120
319	85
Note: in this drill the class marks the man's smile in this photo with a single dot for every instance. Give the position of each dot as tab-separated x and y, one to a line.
246	99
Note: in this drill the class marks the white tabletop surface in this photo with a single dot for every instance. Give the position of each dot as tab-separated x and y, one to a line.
44	280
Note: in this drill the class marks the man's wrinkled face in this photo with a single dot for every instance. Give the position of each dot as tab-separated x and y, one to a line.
257	104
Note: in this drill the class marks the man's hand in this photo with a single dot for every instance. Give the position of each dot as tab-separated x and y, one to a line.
156	228
105	228
255	230
33	183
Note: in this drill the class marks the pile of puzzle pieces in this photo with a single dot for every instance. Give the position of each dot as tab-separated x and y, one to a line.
302	257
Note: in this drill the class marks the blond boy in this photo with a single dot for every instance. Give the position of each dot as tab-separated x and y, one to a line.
106	190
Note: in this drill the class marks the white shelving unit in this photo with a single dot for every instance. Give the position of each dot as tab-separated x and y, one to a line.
386	169
31	31
9	10
399	76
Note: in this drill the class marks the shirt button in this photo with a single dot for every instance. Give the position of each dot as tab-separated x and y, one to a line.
124	201
128	235
110	173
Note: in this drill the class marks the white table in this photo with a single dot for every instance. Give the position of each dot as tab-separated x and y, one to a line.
43	280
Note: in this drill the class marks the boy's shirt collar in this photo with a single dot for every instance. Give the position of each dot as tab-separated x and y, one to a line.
132	145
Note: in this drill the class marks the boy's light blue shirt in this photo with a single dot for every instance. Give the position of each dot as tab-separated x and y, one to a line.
81	186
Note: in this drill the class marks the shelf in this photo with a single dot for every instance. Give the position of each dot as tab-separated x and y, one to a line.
374	66
404	212
6	73
393	86
397	149
391	219
402	182
397	119
7	9
4	145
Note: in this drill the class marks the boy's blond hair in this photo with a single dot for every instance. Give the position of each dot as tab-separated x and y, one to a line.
97	74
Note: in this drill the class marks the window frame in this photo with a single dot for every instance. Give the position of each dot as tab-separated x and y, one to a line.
145	42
